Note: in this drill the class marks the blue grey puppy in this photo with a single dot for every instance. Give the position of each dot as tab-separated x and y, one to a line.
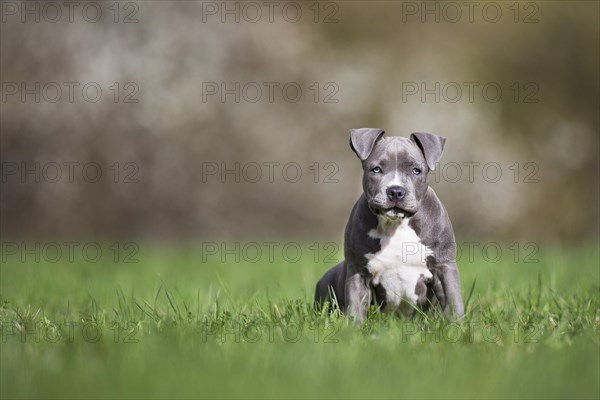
399	248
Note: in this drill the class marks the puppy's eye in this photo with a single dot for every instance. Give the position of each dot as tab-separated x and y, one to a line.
376	170
416	171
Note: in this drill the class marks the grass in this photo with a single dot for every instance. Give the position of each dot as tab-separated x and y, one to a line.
172	325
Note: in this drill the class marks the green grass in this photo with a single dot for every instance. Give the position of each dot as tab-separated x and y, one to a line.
173	326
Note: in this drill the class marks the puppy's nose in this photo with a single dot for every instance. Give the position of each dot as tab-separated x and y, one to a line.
395	193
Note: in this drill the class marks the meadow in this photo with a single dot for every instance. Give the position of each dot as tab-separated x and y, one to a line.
177	323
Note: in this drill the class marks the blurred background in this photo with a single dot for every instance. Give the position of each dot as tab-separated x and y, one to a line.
229	120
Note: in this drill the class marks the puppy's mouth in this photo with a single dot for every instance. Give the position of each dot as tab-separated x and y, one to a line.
393	213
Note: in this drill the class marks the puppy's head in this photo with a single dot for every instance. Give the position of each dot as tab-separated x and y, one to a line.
395	169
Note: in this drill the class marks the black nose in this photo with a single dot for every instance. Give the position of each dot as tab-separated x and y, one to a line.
395	193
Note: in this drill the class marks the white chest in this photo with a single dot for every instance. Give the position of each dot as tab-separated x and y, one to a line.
399	264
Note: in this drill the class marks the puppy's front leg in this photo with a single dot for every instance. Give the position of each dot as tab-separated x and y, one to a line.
446	288
358	297
454	307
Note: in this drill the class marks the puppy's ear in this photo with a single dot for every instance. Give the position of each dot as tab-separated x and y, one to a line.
431	145
362	141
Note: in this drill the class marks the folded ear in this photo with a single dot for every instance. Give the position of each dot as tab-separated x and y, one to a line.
362	141
431	145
